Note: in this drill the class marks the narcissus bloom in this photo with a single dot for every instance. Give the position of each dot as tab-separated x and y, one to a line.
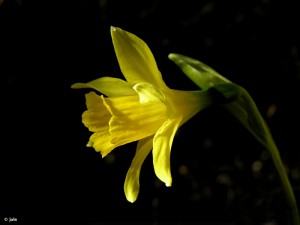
142	109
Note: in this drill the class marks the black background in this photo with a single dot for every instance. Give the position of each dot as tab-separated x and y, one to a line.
48	175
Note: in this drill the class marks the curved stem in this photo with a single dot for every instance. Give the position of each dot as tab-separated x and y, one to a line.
241	105
245	110
291	200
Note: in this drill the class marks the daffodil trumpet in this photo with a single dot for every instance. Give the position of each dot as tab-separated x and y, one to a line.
142	108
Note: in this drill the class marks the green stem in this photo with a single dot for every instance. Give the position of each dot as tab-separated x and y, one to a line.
245	110
291	200
240	105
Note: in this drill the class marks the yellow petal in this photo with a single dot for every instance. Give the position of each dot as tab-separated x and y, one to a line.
162	144
135	59
131	120
108	86
132	184
147	92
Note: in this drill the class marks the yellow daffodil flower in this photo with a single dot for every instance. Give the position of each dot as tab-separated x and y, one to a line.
142	109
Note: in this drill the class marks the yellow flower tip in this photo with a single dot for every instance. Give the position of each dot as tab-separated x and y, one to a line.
90	144
119	34
131	186
77	85
168	184
131	198
103	154
166	178
112	28
117	31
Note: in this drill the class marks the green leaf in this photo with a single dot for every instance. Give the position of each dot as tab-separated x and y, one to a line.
201	74
225	93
